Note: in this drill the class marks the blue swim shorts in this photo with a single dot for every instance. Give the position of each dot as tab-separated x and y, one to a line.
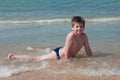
57	52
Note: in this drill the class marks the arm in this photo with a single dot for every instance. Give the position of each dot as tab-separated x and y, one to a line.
67	46
87	47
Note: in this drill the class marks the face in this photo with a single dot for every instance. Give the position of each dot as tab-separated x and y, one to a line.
77	28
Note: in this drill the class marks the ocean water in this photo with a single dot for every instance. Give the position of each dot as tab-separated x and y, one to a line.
44	24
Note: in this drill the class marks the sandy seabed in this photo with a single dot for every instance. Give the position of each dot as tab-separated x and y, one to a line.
39	75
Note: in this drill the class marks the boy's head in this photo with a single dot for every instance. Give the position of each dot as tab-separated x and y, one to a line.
78	19
78	25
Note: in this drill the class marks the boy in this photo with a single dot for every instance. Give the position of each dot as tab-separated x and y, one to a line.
75	40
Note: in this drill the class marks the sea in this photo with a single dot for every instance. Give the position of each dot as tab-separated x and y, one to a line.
44	24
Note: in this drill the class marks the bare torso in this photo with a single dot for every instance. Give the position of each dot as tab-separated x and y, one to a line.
77	44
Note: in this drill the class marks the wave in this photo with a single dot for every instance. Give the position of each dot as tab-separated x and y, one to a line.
7	71
34	21
51	21
105	19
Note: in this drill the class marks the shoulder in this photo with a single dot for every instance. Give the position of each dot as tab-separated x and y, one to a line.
70	35
85	36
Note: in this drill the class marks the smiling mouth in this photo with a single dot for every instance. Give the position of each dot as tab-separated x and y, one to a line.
79	31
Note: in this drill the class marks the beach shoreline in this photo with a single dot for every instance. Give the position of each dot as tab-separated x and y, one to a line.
39	75
44	25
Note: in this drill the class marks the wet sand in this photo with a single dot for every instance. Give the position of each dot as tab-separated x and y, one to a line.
39	75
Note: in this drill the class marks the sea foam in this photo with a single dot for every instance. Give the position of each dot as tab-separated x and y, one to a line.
62	20
104	19
6	71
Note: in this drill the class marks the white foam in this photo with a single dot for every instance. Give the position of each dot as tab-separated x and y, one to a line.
47	50
62	20
104	19
6	72
45	64
34	21
93	70
29	48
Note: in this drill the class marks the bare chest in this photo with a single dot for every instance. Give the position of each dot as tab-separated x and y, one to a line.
77	45
78	42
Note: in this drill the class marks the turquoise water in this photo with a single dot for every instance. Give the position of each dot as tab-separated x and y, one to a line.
45	23
23	10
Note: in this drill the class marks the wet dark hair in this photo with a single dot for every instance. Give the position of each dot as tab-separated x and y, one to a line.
78	19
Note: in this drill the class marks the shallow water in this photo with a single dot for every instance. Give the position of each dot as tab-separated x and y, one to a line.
104	41
30	25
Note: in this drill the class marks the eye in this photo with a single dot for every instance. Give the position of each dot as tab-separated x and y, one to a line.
76	26
81	26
